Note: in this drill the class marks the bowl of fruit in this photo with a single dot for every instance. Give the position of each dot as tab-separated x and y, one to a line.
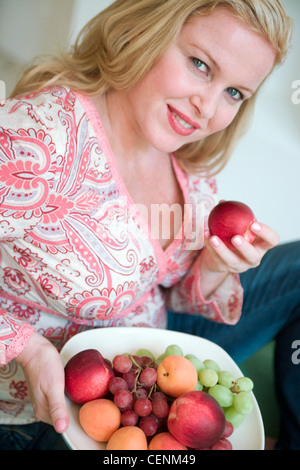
152	389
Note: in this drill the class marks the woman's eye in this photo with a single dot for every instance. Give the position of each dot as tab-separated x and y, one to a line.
200	65
235	94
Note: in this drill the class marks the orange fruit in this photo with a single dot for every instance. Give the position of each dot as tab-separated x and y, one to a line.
127	438
165	441
176	375
100	418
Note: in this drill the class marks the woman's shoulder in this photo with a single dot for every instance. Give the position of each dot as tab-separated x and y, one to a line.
43	107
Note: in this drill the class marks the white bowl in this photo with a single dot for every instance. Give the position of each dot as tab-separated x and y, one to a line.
112	341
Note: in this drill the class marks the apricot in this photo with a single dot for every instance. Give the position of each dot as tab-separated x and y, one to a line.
176	375
127	438
165	441
100	419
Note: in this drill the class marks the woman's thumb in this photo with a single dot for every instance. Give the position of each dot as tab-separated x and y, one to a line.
59	414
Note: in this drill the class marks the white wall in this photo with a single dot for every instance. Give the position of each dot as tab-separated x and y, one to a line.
33	27
265	168
83	11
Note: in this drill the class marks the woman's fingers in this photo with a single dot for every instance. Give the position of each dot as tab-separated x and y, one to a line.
58	414
266	237
243	255
44	374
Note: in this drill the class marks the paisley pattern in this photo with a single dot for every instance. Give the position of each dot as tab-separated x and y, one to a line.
75	253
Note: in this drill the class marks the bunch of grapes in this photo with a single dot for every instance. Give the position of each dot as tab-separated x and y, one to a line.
232	394
135	392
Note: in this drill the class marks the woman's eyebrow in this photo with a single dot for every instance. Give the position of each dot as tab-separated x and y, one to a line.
244	88
212	60
206	53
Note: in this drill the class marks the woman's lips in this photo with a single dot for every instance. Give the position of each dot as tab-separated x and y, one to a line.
180	123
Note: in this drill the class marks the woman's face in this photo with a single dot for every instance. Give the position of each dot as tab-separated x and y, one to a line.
199	84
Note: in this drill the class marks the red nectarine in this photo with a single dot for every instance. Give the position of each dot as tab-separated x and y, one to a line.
196	420
230	218
87	375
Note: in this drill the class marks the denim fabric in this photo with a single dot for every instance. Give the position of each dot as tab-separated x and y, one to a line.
36	436
271	310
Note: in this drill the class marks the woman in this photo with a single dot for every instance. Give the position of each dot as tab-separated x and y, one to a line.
81	143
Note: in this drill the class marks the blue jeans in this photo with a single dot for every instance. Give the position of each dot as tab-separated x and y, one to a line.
36	436
271	310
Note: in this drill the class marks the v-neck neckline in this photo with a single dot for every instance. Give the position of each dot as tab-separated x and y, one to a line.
162	255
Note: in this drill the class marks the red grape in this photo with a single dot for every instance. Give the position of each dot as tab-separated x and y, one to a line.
138	361
145	361
228	429
129	377
148	377
122	363
117	383
123	398
160	407
140	393
148	425
142	407
129	418
160	395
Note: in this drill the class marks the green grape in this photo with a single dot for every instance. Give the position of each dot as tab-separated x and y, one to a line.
233	416
195	361
210	364
208	377
243	384
173	350
222	394
160	358
145	352
226	378
243	403
199	387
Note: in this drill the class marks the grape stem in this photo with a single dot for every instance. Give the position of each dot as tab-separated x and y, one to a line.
134	362
154	388
235	388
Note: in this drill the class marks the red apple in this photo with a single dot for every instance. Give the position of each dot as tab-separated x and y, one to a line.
230	218
86	376
196	420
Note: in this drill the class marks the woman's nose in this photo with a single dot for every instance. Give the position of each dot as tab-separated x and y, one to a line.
206	101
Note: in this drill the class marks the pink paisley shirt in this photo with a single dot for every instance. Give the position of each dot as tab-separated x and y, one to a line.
75	252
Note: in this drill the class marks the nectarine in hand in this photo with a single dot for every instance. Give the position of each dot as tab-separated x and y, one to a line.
230	218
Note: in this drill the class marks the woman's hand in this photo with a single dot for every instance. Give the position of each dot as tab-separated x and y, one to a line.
44	374
218	260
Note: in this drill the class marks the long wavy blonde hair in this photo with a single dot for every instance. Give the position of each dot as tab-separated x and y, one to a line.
121	44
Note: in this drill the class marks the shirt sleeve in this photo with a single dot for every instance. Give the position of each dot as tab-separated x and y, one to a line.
14	335
223	306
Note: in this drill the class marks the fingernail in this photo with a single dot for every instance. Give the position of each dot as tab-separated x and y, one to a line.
237	241
206	234
60	425
256	227
215	241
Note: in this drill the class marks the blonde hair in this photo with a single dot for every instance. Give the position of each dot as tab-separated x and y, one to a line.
138	32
